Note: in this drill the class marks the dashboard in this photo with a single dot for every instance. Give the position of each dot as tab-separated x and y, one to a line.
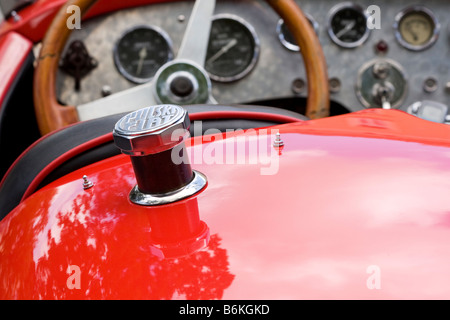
379	53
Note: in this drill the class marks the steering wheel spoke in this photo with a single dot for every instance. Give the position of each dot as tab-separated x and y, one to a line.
195	40
193	50
124	101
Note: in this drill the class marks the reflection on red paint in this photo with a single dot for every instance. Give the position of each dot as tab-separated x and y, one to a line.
114	244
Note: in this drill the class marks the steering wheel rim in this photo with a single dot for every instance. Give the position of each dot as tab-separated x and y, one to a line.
51	115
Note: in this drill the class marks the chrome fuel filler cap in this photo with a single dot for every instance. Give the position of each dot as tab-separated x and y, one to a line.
154	138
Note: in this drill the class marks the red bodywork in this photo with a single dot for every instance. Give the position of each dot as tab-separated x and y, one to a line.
14	49
353	194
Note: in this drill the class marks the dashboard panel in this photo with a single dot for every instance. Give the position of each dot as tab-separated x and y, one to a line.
278	72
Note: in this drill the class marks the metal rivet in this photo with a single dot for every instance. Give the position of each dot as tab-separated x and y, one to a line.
106	90
16	17
87	183
181	18
430	85
335	85
278	142
298	85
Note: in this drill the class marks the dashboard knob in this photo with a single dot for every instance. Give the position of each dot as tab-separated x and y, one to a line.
381	69
182	86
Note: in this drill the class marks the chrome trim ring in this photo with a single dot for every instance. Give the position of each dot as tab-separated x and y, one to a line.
256	50
333	11
286	43
196	185
419	9
117	62
161	90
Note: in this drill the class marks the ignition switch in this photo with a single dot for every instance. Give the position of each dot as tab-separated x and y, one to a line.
381	83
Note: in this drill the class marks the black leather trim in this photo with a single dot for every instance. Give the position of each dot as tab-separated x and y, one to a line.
50	147
23	172
245	108
17	111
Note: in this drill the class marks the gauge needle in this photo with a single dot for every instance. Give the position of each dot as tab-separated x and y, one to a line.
413	34
223	50
347	28
142	56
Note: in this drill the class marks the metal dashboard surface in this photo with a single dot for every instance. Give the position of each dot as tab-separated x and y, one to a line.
277	66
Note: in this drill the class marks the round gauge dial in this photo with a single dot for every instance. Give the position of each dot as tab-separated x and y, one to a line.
141	51
233	49
347	25
286	37
416	28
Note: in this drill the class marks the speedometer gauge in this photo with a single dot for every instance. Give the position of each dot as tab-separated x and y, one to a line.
347	25
416	28
233	48
141	51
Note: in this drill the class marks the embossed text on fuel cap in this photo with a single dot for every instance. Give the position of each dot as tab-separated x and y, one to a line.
152	129
149	119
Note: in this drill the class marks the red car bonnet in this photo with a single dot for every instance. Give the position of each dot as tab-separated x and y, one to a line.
353	206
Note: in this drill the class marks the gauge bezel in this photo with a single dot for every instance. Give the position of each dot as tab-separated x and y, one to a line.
119	65
288	45
337	8
256	50
416	9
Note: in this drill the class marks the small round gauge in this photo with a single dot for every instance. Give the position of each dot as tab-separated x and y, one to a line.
286	37
233	48
416	28
141	51
347	25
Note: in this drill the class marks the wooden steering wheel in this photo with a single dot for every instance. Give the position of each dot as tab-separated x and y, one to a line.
52	116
